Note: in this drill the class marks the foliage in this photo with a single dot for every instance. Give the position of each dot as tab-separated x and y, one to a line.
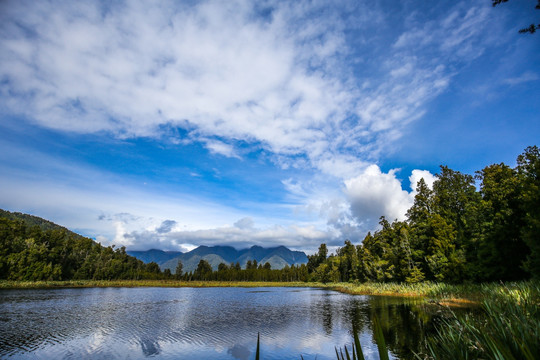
528	170
453	233
29	253
252	272
171	283
179	270
531	28
509	328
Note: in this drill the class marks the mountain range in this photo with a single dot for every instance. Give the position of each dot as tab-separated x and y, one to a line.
277	257
93	255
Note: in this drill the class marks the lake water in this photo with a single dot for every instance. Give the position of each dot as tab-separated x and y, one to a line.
202	323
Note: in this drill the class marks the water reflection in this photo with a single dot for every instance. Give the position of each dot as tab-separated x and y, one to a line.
240	352
211	323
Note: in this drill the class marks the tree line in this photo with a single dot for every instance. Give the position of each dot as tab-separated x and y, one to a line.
458	230
251	272
30	253
477	228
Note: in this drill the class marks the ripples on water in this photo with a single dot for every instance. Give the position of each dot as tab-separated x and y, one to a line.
196	323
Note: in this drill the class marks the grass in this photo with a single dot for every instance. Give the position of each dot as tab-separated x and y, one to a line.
462	295
442	294
6	284
508	328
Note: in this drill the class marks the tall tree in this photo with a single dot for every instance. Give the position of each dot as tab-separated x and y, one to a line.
423	204
457	202
316	259
501	250
529	173
179	270
203	271
348	263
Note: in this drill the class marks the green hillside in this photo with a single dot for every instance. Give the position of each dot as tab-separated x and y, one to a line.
32	248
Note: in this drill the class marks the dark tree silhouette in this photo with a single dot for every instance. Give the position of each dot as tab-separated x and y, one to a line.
531	28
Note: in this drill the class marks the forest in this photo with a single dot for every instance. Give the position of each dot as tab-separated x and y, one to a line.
34	249
465	228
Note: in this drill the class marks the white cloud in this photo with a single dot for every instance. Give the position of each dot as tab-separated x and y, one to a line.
374	193
218	147
214	67
244	223
416	175
286	82
283	81
523	78
294	237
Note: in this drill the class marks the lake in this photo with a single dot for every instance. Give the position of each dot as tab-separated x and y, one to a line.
202	323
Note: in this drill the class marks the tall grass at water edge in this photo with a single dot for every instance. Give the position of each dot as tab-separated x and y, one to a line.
8	284
508	328
442	291
432	290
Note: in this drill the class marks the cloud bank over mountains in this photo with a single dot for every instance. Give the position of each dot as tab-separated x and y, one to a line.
317	87
368	196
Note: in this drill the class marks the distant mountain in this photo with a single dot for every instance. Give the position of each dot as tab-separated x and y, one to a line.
190	262
277	257
157	256
227	253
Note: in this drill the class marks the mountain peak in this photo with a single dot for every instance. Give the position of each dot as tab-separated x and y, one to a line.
278	257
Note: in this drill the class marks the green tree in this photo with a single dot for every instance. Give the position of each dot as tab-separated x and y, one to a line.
203	271
423	205
326	272
348	264
431	242
529	176
376	257
501	251
457	201
179	270
315	260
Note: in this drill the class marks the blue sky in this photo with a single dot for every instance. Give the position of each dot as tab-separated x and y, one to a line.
173	124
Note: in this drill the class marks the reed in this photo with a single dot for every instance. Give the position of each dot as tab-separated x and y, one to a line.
508	328
441	291
6	284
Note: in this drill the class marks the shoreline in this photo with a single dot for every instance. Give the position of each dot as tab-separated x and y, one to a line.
439	294
463	295
65	284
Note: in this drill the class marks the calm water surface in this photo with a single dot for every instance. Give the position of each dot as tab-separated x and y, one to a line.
201	323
